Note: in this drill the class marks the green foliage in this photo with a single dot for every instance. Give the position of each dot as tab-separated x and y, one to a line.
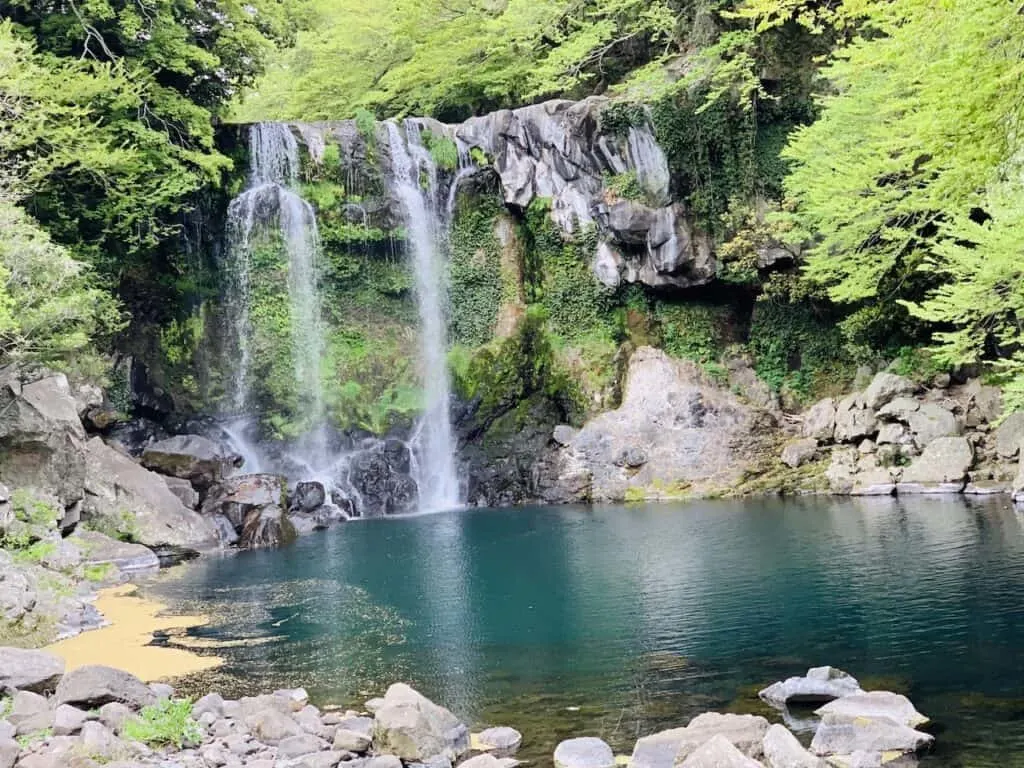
798	350
443	150
26	740
29	508
99	572
180	339
475	286
563	282
616	119
366	122
35	553
51	307
166	723
121	526
693	330
887	180
625	186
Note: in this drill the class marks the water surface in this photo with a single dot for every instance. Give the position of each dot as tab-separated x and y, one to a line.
618	621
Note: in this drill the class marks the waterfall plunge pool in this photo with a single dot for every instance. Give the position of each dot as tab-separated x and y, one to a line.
618	621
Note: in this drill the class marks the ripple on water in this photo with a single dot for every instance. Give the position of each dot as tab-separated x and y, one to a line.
616	621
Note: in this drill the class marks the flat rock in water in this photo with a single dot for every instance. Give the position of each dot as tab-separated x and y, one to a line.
819	685
586	752
501	741
841	736
95	685
875	704
783	750
25	670
481	761
719	752
744	732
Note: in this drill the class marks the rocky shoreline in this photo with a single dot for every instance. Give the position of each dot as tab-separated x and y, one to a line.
98	715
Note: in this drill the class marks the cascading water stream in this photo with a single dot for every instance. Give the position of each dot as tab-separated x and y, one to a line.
273	174
414	182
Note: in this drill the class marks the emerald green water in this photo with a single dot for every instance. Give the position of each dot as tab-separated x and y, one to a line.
618	621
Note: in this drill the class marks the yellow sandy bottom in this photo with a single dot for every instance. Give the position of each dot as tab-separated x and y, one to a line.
125	643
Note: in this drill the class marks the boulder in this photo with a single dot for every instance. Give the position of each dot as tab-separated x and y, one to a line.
657	750
798	452
837	735
25	670
351	741
266	527
692	431
9	751
115	714
68	720
133	437
819	685
41	436
875	704
18	595
584	752
101	549
198	459
309	496
272	726
820	421
500	742
930	422
854	421
718	752
563	434
410	726
94	685
183	489
885	387
30	713
783	750
482	761
941	468
122	496
1009	434
298	745
237	496
744	732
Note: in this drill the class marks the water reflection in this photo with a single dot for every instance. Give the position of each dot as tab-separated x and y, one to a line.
636	617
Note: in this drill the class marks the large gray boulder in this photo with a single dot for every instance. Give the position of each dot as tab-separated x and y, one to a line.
838	735
198	459
265	528
410	726
122	496
819	685
30	713
41	436
100	549
237	496
584	752
500	742
1009	434
719	752
941	468
26	670
886	386
94	685
783	750
744	732
930	422
820	421
875	704
657	750
798	452
854	420
692	432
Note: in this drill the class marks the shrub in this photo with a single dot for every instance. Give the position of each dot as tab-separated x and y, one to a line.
166	723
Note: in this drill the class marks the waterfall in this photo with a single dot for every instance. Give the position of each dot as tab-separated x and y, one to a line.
414	182
273	177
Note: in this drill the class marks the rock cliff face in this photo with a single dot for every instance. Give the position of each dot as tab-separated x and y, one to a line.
560	151
675	433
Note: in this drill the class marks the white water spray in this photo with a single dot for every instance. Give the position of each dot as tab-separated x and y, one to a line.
414	183
273	175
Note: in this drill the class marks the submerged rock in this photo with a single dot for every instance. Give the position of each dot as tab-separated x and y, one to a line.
500	742
585	752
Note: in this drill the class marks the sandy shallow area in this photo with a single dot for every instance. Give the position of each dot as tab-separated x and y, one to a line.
127	642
